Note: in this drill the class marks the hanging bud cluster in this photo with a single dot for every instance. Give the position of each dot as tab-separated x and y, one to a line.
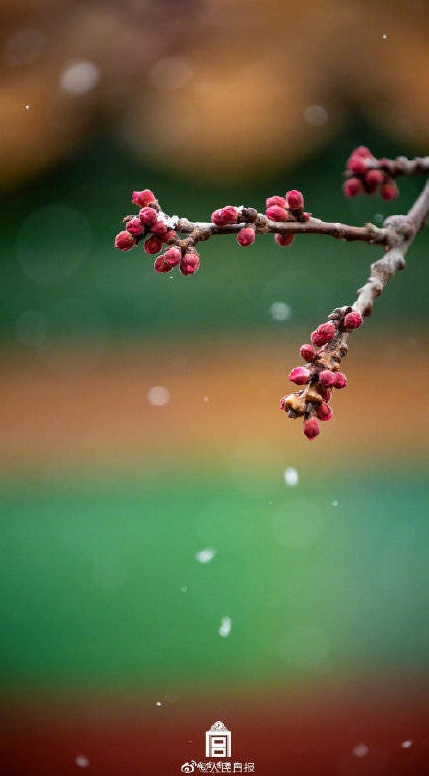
368	175
152	226
321	373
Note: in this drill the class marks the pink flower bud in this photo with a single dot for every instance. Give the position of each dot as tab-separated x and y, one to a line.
340	380
327	378
326	393
160	265
300	375
153	244
389	191
246	236
324	411
357	164
276	213
311	428
135	226
160	228
294	199
352	187
172	257
284	239
148	216
275	200
374	177
225	215
168	236
124	241
353	320
307	352
143	198
305	216
190	262
362	151
323	334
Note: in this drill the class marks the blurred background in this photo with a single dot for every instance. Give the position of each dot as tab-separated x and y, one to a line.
174	551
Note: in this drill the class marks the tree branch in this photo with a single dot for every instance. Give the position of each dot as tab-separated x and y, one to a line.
285	218
202	230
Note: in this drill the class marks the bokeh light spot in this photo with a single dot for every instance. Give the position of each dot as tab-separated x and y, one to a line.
158	396
291	476
79	77
280	311
82	761
360	750
316	115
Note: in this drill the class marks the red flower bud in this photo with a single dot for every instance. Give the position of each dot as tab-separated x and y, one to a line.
124	241
353	320
340	380
225	215
327	378
284	239
160	265
148	216
135	226
190	262
357	164
143	198
153	244
325	393
169	236
276	213
307	352
160	228
324	411
311	428
323	334
389	191
294	199
300	375
305	216
246	236
275	200
172	257
362	151
352	187
374	177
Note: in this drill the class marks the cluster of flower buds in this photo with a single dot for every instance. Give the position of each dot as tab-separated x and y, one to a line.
277	209
151	225
229	214
159	232
283	209
368	175
322	371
